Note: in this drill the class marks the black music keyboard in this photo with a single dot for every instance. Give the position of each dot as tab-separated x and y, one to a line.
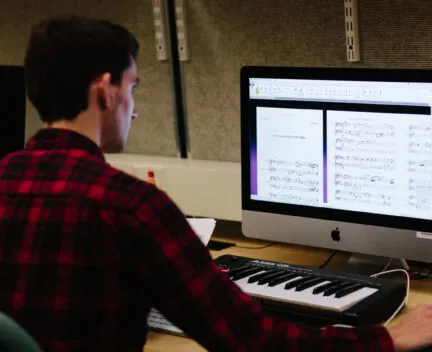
314	296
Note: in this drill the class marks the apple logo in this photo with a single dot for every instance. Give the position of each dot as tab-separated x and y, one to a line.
335	234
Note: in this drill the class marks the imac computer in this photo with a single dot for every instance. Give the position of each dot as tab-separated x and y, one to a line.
338	158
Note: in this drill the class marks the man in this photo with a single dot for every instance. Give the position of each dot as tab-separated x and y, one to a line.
86	250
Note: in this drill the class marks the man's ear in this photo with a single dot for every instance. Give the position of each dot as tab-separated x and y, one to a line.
101	100
104	96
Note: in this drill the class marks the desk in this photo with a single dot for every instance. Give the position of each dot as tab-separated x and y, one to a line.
421	292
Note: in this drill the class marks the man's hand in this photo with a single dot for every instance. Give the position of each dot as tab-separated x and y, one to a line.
414	330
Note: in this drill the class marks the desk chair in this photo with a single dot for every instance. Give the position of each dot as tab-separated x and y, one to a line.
13	337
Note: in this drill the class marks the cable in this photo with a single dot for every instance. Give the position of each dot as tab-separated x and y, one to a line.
405	300
262	247
328	260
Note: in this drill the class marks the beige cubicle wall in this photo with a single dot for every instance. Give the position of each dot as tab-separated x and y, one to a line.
153	133
227	34
224	35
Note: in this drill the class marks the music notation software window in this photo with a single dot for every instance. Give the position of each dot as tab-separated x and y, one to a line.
343	145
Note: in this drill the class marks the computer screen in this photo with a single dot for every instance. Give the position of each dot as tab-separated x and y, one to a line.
325	151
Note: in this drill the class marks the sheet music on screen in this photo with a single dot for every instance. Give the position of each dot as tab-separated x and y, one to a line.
360	146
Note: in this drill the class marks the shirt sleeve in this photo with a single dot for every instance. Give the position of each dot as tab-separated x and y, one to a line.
187	287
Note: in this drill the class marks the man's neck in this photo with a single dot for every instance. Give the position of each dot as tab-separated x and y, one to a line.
76	127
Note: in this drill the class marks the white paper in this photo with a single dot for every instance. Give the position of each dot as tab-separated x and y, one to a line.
425	235
203	227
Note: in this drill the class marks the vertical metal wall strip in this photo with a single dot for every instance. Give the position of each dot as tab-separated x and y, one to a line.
177	80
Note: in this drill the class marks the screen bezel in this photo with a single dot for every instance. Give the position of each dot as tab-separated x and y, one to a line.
347	74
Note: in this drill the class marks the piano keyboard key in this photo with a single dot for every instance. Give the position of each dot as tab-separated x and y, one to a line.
280	279
292	283
348	290
246	273
307	296
312	282
232	272
257	277
268	278
322	288
335	288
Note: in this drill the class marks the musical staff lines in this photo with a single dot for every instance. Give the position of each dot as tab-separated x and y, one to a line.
420	139
294	180
363	181
420	166
364	161
420	193
289	154
363	126
364	198
354	136
373	162
364	189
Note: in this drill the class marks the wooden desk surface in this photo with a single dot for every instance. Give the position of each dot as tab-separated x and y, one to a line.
421	292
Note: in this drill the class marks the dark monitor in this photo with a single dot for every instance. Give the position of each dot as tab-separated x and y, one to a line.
12	109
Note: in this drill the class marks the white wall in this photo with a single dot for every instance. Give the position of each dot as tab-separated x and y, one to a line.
199	187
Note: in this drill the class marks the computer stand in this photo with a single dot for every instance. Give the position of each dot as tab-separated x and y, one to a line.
370	264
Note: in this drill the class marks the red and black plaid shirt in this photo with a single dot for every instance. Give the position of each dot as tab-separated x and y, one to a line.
86	250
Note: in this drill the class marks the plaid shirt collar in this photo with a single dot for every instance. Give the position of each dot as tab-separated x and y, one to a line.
53	138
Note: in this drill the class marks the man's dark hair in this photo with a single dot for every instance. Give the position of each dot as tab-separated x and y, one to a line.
65	54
